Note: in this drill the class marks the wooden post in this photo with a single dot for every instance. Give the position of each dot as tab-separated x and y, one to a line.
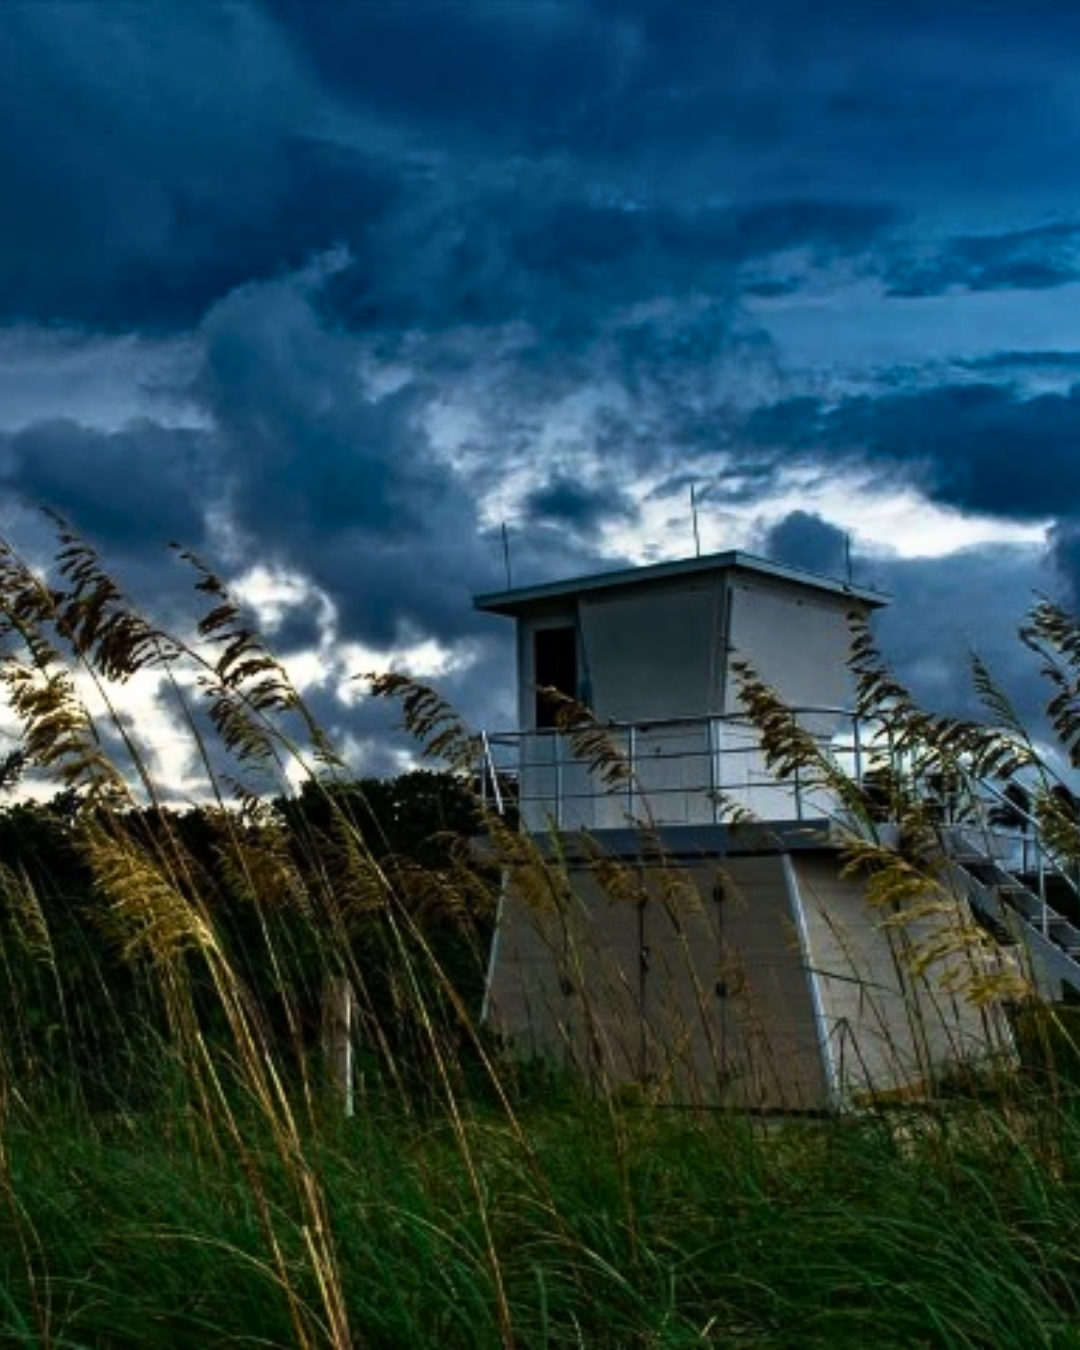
339	1007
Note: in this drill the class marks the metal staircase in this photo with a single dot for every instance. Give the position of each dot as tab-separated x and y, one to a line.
1016	907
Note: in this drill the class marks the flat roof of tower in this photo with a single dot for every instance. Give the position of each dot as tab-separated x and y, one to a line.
521	598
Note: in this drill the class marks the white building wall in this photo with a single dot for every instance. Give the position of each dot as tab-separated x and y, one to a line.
798	643
796	640
656	654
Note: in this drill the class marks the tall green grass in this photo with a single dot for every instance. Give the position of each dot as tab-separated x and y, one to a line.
565	1227
177	1165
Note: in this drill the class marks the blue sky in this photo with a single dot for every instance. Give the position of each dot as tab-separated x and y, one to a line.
329	291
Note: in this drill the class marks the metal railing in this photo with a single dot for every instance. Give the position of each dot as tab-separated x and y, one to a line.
709	770
677	771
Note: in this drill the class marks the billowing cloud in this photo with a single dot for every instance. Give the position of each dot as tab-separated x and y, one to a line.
320	473
579	506
158	477
944	610
541	245
152	161
1033	259
981	447
1013	361
805	540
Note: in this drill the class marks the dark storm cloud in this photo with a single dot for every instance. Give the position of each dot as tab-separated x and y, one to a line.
155	157
296	469
893	98
143	484
345	487
300	466
1064	554
629	122
574	237
1026	360
829	228
540	248
288	404
780	92
979	447
943	609
1034	259
803	539
447	65
666	355
330	480
581	508
160	161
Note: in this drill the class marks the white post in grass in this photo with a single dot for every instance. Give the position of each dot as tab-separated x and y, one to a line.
339	1007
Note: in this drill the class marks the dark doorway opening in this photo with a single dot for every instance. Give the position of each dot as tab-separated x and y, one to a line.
555	667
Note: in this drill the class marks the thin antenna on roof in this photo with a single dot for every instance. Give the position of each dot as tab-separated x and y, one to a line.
847	558
693	513
506	558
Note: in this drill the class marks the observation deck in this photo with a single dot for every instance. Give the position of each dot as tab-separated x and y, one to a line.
670	773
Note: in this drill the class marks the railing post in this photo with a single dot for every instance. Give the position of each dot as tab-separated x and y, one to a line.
557	745
487	766
1042	893
713	743
631	754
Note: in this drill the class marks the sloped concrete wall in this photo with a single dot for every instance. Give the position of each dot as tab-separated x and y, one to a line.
769	987
686	980
891	1015
762	981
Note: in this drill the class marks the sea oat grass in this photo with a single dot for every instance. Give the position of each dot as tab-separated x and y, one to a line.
186	1161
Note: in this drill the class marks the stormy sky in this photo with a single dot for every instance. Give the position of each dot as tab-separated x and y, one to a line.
330	291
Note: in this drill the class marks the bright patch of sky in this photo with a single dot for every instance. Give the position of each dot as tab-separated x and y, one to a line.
100	382
898	524
334	664
844	332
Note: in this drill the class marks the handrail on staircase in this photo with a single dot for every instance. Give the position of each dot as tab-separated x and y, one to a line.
1041	847
492	771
